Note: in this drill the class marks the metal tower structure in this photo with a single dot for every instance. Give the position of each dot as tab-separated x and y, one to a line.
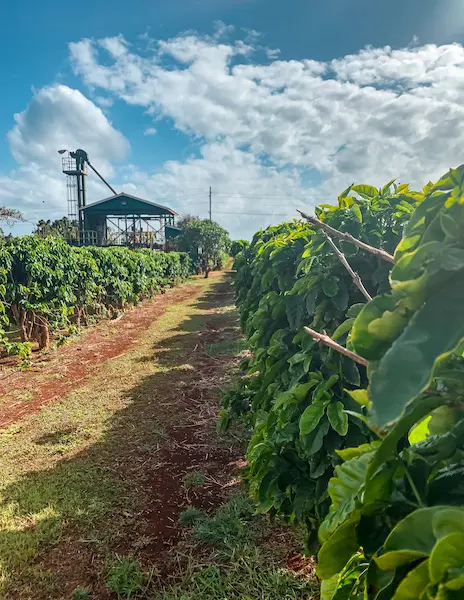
73	166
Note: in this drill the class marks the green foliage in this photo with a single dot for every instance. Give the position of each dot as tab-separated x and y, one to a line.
81	594
205	241
391	504
49	285
125	577
295	393
400	519
63	227
194	479
238	246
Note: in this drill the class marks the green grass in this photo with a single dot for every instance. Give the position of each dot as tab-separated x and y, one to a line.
194	479
125	577
60	468
73	474
81	594
231	347
240	565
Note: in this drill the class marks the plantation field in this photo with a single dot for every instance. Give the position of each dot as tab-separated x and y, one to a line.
114	482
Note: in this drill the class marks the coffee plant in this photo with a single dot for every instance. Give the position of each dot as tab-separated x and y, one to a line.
360	424
395	528
295	393
46	285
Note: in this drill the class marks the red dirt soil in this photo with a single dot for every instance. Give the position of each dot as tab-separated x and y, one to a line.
62	370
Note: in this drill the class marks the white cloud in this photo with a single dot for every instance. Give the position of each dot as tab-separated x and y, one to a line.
56	117
150	131
373	115
266	131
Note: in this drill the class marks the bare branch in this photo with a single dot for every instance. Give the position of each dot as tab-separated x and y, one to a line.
347	237
354	276
328	341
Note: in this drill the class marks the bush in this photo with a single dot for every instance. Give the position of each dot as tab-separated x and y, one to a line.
384	500
238	246
48	284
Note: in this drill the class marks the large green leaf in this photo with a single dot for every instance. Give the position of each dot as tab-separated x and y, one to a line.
414	584
366	191
310	418
407	367
415	413
448	554
337	550
338	417
411	539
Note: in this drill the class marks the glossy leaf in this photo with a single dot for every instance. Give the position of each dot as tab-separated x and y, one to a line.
337	416
407	367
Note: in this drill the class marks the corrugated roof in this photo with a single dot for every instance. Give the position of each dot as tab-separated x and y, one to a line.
128	204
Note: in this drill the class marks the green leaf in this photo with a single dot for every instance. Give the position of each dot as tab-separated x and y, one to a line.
449	520
407	367
411	538
341	299
448	554
345	327
373	344
337	417
398	558
350	371
359	396
355	309
415	413
310	418
420	431
414	584
356	452
329	587
337	550
330	286
357	212
365	191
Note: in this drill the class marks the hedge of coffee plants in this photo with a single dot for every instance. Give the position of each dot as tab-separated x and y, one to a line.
358	428
46	284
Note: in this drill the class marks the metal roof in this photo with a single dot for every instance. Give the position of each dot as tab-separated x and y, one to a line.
125	204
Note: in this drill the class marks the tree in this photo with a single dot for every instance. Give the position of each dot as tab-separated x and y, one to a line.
65	228
10	216
205	241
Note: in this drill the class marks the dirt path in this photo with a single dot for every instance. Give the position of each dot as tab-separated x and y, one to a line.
104	469
65	368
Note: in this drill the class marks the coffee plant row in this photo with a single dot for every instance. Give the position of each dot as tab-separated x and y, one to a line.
47	285
358	428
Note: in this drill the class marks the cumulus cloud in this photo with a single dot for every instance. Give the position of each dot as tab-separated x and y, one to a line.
373	115
56	117
150	131
271	133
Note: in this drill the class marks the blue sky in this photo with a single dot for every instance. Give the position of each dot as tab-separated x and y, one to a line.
274	104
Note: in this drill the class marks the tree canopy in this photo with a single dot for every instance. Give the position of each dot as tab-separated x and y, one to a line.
65	228
205	241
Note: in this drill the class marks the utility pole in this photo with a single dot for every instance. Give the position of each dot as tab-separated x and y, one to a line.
210	194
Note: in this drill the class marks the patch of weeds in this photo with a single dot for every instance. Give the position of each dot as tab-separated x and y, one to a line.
190	516
232	347
234	525
247	577
125	578
194	479
81	594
